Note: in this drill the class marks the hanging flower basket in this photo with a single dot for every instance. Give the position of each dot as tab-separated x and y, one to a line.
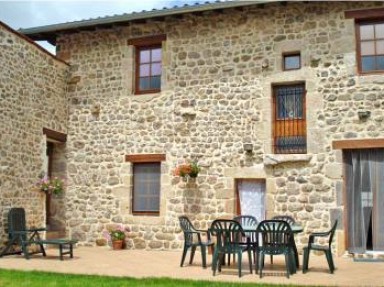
52	185
187	170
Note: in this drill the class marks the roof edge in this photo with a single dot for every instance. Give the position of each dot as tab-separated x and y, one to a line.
43	32
33	43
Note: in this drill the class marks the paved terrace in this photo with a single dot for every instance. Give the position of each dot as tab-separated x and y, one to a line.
141	263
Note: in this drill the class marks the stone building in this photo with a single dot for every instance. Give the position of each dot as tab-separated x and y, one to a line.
281	104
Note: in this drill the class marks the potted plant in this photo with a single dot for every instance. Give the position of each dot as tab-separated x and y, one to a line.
116	236
187	170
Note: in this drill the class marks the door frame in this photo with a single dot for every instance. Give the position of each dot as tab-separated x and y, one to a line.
52	137
343	145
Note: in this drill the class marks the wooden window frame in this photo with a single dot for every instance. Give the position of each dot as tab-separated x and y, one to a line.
139	44
358	24
365	16
145	158
290	54
274	116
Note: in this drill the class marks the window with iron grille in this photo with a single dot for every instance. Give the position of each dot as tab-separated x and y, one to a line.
370	36
289	127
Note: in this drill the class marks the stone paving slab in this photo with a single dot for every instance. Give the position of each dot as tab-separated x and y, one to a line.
142	263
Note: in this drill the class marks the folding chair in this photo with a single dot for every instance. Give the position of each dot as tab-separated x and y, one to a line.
20	236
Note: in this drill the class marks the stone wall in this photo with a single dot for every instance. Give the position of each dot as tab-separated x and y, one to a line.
32	96
218	73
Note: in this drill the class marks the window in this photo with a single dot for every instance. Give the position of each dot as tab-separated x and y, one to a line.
289	128
148	69
146	170
291	61
148	63
370	36
146	188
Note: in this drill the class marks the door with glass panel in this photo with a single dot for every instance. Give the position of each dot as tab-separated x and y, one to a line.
364	175
251	198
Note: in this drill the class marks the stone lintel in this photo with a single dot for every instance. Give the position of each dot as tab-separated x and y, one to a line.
256	171
275	159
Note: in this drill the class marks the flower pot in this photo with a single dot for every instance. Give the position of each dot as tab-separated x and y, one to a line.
117	244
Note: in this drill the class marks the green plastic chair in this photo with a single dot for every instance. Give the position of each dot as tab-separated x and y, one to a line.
20	236
286	218
248	222
192	240
276	239
229	234
290	220
324	248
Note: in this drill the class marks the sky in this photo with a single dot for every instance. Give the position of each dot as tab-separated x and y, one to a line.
27	14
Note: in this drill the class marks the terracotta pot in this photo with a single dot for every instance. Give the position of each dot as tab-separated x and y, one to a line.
117	244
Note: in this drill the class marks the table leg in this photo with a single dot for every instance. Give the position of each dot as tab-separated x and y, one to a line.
295	252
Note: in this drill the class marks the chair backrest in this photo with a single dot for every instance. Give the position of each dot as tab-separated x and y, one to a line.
286	218
187	226
332	233
248	221
16	221
275	234
228	233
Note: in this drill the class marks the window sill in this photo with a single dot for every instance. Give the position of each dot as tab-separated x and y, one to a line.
144	97
275	159
156	214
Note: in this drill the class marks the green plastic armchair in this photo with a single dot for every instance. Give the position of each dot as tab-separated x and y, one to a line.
193	239
229	234
312	245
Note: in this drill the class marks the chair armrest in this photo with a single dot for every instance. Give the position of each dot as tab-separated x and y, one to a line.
319	234
313	235
205	231
191	231
20	232
36	229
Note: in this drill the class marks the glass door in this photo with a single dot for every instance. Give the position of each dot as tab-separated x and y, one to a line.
365	199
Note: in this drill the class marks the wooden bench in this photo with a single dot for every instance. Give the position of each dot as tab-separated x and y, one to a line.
65	245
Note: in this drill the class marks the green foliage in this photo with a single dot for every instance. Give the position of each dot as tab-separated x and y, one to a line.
53	185
12	278
117	235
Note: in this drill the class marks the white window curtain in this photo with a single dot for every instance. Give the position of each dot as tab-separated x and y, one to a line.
365	199
252	198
